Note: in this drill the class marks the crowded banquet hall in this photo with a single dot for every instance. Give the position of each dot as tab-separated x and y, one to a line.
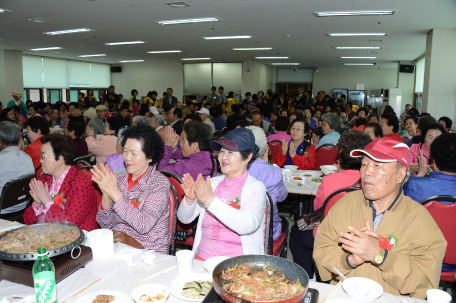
227	151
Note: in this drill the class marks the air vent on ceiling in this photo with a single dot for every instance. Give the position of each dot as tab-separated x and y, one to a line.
255	42
370	40
178	4
39	20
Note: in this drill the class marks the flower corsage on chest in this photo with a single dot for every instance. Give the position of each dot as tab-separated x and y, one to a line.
135	201
235	203
388	242
59	200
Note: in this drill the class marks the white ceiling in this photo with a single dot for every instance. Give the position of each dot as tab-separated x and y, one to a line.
269	21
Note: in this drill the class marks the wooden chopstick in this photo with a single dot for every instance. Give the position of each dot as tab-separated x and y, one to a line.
155	275
8	224
332	291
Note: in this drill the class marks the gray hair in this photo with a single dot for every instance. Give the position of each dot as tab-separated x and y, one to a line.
159	119
333	120
9	133
141	120
260	140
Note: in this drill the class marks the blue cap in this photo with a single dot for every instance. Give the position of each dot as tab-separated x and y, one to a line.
238	139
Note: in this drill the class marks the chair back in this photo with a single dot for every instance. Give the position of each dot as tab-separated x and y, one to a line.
269	230
444	215
225	130
275	146
87	160
176	181
326	155
333	198
172	218
86	171
15	192
217	134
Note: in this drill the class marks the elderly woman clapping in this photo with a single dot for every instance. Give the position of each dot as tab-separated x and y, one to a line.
231	208
135	204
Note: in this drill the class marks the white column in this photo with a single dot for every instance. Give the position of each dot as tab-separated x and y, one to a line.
439	91
405	81
10	75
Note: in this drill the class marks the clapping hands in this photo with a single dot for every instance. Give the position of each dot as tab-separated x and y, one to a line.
201	189
39	193
171	138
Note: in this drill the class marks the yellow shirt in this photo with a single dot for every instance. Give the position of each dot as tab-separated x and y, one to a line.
131	102
229	102
148	100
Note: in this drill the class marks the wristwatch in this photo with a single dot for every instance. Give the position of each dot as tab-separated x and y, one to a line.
378	259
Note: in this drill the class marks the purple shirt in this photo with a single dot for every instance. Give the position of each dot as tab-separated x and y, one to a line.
116	163
271	177
195	164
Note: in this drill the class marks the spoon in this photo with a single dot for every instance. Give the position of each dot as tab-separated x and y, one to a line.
346	280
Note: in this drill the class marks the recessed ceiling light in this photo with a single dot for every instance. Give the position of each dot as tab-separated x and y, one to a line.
227	37
70	31
354	13
178	4
271	58
359	63
194	20
164	52
126	61
96	55
45	48
190	59
358	57
124	43
355	34
251	48
38	20
358	47
285	63
3	10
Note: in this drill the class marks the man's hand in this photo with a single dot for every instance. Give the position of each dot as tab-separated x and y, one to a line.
362	246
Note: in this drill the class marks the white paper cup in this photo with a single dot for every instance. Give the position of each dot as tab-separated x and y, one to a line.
184	260
101	241
438	296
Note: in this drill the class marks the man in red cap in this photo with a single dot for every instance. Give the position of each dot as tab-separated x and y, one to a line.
380	234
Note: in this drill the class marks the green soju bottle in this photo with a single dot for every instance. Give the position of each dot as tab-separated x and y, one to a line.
44	278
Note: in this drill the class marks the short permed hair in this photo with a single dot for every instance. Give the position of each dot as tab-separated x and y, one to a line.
76	124
281	124
37	123
391	120
349	141
306	124
232	120
448	122
442	149
260	140
425	121
151	143
62	146
115	124
415	119
200	133
429	127
333	120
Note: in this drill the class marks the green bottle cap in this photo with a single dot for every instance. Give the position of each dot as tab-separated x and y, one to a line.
42	252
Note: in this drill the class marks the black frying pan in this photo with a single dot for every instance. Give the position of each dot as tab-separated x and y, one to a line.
291	270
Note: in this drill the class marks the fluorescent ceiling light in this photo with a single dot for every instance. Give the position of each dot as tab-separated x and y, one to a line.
354	13
3	10
359	63
38	20
227	37
70	31
358	47
126	61
178	4
355	34
271	58
358	57
251	48
189	59
96	55
123	43
285	63
194	20
45	48
164	52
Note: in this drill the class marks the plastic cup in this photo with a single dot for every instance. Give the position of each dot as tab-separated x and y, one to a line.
438	296
184	260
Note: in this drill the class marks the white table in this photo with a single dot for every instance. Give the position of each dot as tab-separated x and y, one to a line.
119	277
303	190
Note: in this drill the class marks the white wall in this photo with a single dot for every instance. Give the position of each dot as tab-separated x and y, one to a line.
10	75
263	77
146	77
372	78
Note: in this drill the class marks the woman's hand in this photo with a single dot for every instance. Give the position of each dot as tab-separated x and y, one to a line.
171	139
284	147
204	191
414	167
107	181
422	168
292	149
90	132
266	154
36	201
315	139
21	143
40	192
189	187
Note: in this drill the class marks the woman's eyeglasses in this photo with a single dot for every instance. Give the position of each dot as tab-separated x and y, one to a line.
43	155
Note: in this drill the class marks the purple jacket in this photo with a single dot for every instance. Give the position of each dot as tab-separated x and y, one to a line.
198	163
271	176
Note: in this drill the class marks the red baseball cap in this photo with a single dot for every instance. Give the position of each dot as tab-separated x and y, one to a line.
385	150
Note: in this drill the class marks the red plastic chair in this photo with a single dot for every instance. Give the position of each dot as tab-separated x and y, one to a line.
86	171
275	146
444	215
326	155
172	217
177	183
333	198
279	246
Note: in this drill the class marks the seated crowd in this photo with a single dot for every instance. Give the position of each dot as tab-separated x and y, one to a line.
220	150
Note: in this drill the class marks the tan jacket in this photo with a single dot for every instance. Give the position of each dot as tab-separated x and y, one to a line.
410	268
